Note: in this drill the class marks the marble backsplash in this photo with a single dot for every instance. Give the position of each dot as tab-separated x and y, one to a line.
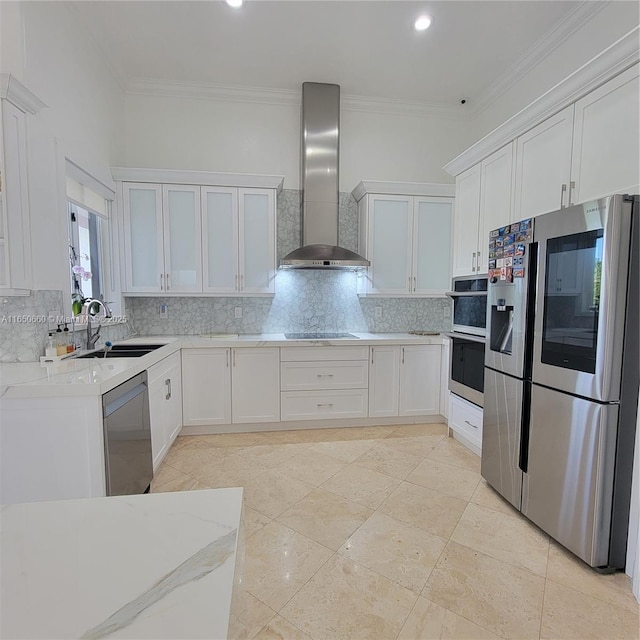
25	322
305	301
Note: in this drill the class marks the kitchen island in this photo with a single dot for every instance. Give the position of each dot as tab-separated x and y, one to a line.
150	566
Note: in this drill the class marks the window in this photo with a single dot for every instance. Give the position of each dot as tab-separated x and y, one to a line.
84	253
93	261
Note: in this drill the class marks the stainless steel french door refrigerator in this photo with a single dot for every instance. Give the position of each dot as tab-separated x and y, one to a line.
562	372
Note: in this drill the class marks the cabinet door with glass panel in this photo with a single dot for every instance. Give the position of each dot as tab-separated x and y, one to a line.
408	240
239	240
431	251
162	231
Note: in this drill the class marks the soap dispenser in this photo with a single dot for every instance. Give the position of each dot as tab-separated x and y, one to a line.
61	347
50	347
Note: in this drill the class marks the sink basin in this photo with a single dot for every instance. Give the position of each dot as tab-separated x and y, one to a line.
129	353
136	347
123	351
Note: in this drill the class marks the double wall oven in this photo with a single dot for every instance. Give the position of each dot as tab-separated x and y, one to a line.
469	317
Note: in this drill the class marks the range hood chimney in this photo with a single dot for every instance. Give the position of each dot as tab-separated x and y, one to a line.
320	140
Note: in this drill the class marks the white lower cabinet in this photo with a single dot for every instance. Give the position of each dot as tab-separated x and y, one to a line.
384	381
465	420
255	385
224	386
404	380
206	383
165	405
420	380
323	383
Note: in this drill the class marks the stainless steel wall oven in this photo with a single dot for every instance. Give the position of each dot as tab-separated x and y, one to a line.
469	317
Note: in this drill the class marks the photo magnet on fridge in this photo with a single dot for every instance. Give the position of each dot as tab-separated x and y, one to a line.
518	273
520	249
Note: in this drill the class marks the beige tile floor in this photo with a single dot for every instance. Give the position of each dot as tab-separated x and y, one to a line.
390	532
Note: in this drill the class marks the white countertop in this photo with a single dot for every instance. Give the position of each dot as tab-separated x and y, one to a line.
95	376
148	566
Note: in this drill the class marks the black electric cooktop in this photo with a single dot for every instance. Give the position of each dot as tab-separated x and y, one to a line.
319	336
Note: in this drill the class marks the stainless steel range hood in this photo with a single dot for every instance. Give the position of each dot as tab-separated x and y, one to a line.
320	140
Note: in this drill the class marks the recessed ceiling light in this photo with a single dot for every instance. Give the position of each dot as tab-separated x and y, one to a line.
422	23
234	3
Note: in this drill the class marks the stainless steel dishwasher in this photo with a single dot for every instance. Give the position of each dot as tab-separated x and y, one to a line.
127	437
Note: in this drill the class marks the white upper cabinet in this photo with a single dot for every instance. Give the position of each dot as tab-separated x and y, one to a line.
431	251
143	237
220	239
257	233
197	238
483	202
496	198
389	244
182	238
606	128
16	103
162	238
543	166
465	226
408	241
239	240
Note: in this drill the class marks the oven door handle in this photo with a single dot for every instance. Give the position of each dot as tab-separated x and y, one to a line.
467	336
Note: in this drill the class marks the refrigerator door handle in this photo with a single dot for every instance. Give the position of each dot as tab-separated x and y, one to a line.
523	462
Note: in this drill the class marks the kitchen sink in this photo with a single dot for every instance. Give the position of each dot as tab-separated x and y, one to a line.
136	347
123	351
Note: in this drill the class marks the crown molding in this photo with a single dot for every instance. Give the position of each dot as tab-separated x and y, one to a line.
531	58
217	179
287	97
615	59
15	92
403	188
403	107
219	92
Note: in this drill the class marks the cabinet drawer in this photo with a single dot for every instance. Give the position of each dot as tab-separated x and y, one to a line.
466	419
315	405
311	354
298	376
159	369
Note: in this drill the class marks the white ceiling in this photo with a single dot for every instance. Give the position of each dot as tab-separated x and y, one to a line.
367	47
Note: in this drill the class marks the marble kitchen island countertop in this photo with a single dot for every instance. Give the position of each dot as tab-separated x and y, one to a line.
146	566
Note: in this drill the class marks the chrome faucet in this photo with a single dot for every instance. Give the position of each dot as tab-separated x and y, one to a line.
93	338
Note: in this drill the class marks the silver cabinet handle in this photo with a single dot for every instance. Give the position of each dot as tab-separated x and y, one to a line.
414	284
402	355
227	357
167	281
241	281
473	261
168	383
371	355
478	260
563	190
325	375
409	284
236	287
234	357
162	282
327	404
572	186
470	424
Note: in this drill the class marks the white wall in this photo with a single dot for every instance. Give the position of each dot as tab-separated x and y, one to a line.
53	57
603	29
215	135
